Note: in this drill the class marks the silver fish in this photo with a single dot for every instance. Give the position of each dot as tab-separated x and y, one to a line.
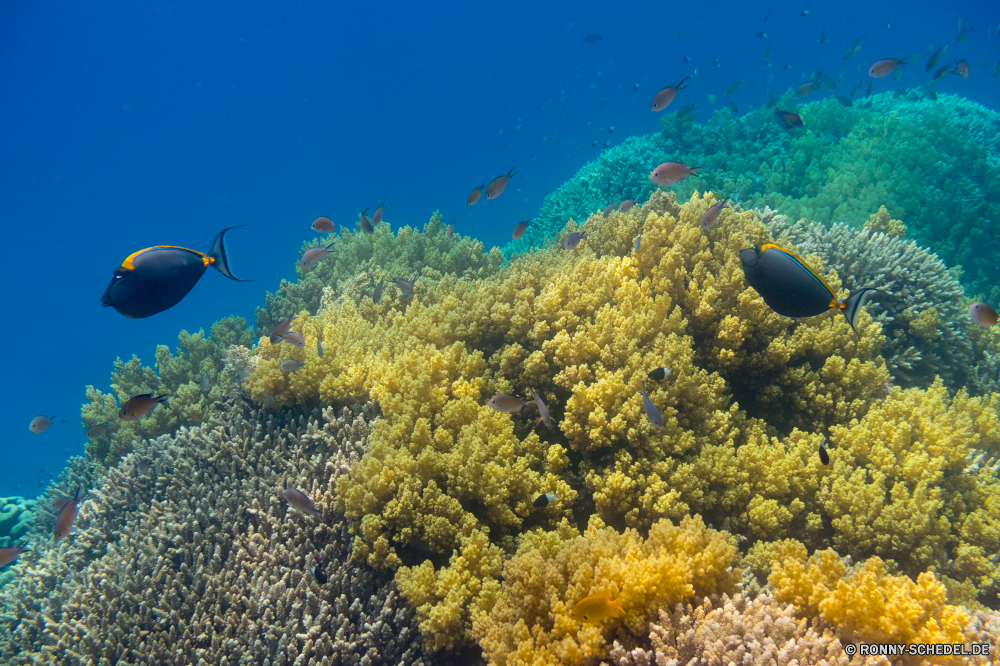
377	296
291	365
652	413
506	403
205	386
573	239
319	348
543	410
638	239
405	286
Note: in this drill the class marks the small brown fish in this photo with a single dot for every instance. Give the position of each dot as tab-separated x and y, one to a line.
596	608
324	225
294	339
608	210
98	430
886	67
806	88
313	256
66	518
377	217
291	365
9	555
280	329
40	424
941	72
299	501
142	467
139	406
961	68
662	99
542	410
669	173
365	223
405	286
736	86
983	314
498	184
377	296
474	197
625	205
573	240
451	230
519	230
963	32
712	214
506	403
934	58
789	118
652	413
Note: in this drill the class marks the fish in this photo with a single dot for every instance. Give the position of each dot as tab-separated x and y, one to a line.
406	286
497	185
520	228
963	33
669	173
685	111
868	90
596	608
687	58
280	329
840	79
961	68
941	72
635	87
474	196
299	501
712	214
762	35
789	118
638	240
652	413
996	69
786	67
377	217
712	98
607	211
451	230
824	457
506	403
806	88
827	82
205	385
313	256
734	87
294	339
624	206
142	467
732	106
318	574
291	365
664	97
139	406
319	348
767	15
324	224
805	13
846	101
544	500
66	517
885	67
592	38
40	424
98	430
155	279
377	296
792	289
856	49
365	223
542	410
930	94
934	58
983	315
659	374
822	37
9	555
573	239
767	52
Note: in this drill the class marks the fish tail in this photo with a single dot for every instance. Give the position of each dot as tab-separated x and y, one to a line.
161	399
220	257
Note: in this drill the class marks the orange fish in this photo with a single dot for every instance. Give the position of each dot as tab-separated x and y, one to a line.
474	197
662	99
138	406
519	230
886	67
66	518
597	608
365	223
790	119
377	217
983	314
280	329
671	172
498	184
313	256
40	424
961	68
8	555
324	225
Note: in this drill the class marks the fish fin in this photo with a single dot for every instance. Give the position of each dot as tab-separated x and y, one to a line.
218	254
161	399
853	303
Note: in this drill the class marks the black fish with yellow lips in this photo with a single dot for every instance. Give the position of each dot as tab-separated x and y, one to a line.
157	278
792	289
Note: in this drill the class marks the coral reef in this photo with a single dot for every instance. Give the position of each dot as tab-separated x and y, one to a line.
360	260
16	517
193	379
202	561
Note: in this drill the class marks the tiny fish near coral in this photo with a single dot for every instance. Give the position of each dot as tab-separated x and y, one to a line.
40	424
983	314
519	230
313	256
139	406
405	286
475	194
544	500
597	608
377	217
789	118
886	67
377	295
506	403
294	339
652	413
98	430
365	223
324	225
573	240
664	97
712	214
67	516
291	365
299	501
280	329
824	457
669	173
499	184
542	410
659	374
318	574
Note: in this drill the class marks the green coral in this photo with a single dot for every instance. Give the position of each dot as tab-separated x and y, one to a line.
182	376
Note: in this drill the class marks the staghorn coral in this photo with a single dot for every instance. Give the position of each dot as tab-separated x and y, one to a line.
928	331
201	561
882	223
16	517
181	376
530	623
378	255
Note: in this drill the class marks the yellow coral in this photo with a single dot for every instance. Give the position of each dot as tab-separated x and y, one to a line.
882	222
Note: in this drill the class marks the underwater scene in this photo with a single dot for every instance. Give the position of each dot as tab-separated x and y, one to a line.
514	335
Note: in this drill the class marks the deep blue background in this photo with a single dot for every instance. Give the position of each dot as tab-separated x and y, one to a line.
126	125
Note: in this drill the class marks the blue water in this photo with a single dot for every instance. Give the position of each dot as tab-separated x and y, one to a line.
126	125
